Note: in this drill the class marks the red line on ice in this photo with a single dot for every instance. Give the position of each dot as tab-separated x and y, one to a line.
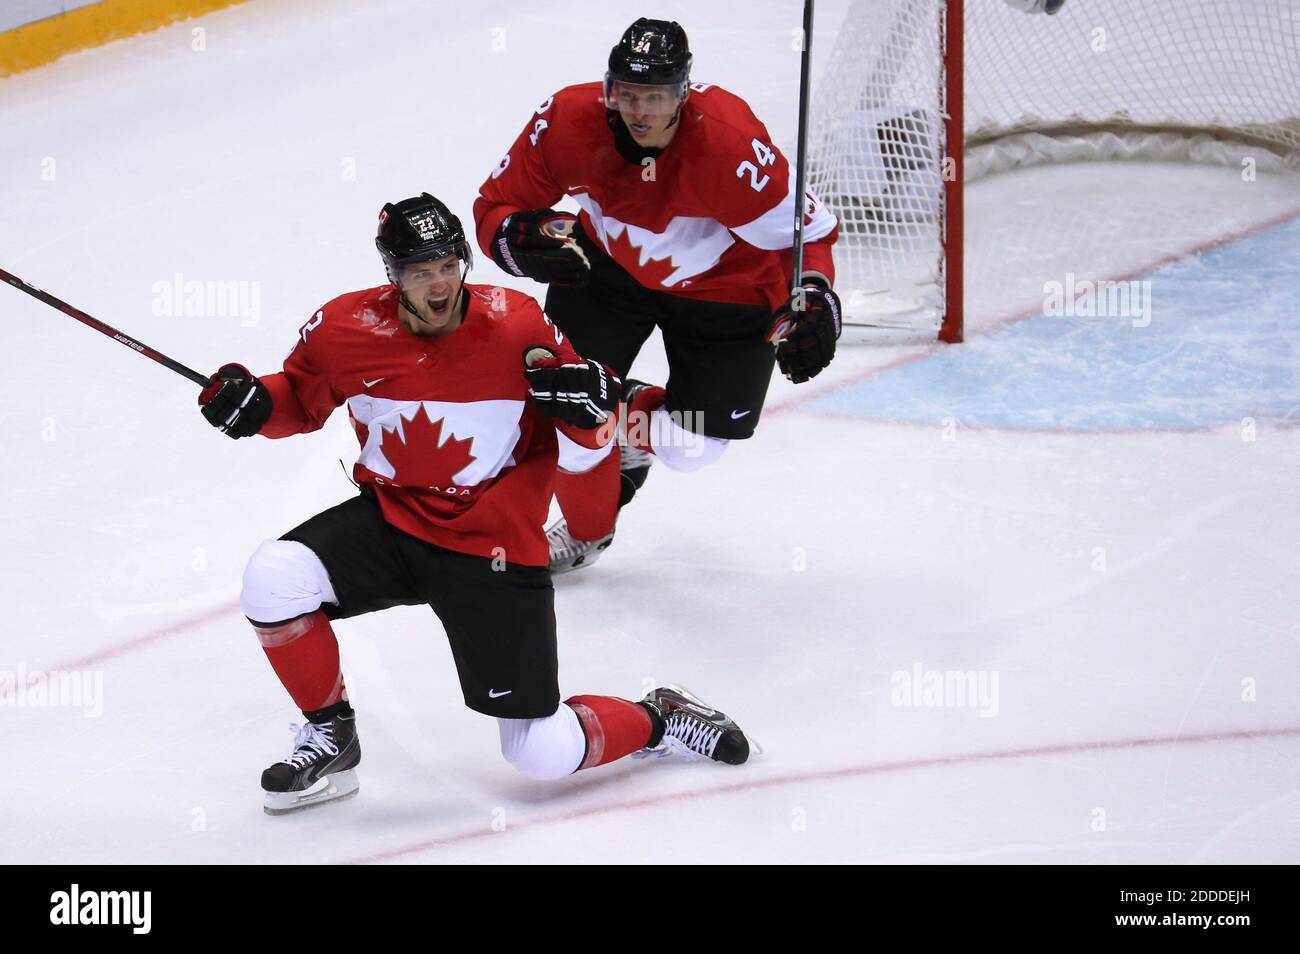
855	771
146	639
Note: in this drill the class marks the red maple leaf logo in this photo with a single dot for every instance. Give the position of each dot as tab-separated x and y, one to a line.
422	459
655	270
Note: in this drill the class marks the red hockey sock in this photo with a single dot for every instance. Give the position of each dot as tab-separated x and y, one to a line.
614	727
305	655
637	424
589	501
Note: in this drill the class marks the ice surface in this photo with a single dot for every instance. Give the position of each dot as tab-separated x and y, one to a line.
1133	591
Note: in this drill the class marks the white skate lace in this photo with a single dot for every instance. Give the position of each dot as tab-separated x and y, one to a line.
696	735
561	542
688	735
310	741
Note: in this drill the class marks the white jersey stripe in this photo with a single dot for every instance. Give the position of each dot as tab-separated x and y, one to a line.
774	229
576	459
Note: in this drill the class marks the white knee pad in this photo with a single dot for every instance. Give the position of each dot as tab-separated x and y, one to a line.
544	749
680	449
284	579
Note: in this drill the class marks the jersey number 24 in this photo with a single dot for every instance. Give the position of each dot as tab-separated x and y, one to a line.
765	156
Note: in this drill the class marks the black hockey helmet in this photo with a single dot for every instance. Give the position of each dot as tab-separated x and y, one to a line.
652	53
420	229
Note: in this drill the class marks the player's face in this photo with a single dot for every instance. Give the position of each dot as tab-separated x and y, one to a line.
433	290
647	110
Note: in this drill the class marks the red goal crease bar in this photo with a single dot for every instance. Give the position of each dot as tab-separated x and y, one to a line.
43	41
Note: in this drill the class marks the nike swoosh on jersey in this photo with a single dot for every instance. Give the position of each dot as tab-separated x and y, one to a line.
737	415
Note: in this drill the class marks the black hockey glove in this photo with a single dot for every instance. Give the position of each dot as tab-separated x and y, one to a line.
805	340
236	402
540	245
582	394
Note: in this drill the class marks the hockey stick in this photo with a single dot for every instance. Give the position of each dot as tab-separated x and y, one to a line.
801	151
779	334
144	349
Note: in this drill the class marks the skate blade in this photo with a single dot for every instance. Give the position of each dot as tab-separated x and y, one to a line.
569	566
329	788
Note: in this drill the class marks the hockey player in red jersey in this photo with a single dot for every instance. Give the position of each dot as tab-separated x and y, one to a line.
464	399
686	224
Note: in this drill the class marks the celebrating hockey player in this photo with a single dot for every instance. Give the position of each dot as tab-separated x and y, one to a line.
686	224
464	399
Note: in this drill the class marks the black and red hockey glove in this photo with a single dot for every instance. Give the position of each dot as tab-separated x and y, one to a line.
540	245
805	338
583	393
236	402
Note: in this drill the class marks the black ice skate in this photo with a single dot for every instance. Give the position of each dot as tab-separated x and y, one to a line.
694	730
321	768
568	553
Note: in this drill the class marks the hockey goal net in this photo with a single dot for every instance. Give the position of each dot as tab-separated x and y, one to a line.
899	125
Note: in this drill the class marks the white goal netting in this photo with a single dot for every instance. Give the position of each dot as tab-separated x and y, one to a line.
1201	80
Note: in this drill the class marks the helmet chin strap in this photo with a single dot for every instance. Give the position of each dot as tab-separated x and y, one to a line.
678	114
406	303
462	300
628	147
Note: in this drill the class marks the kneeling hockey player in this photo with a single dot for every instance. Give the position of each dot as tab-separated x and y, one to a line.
465	399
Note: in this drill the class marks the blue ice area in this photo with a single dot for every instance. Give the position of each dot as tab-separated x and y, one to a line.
1222	344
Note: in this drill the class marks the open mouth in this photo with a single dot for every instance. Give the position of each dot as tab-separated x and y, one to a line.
639	129
438	305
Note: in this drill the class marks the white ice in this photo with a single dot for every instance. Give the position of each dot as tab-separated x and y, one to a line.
1146	705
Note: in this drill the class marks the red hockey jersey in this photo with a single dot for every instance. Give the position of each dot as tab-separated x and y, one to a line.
711	218
450	440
